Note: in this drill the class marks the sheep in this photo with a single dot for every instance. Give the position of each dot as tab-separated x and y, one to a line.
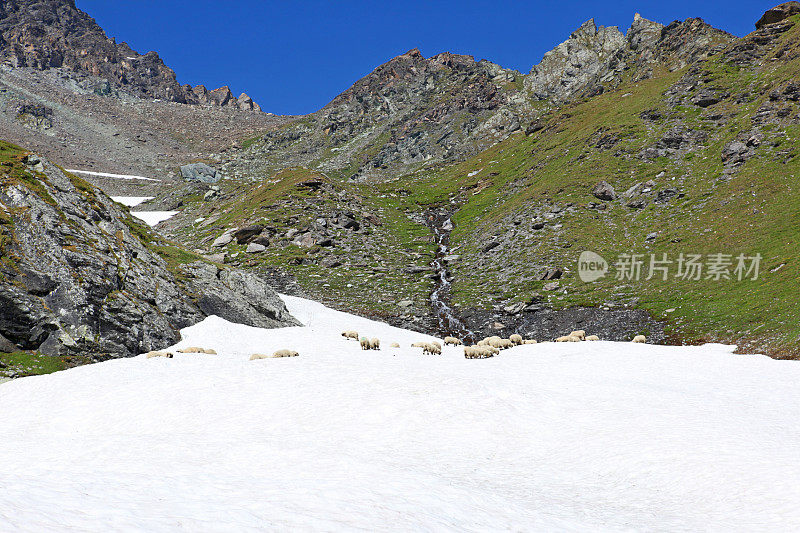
578	333
375	344
452	340
516	339
192	349
418	344
592	338
350	335
433	348
483	342
285	353
497	342
479	352
639	338
568	338
168	355
275	354
394	345
529	341
365	344
195	349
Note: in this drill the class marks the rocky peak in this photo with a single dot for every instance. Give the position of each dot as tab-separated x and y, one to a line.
593	58
44	34
778	13
572	65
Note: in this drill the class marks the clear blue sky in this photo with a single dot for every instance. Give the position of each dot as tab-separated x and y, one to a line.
293	57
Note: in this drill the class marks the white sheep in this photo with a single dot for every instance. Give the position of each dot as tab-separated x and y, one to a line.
516	339
365	344
418	344
568	338
578	333
168	355
375	344
394	345
479	352
639	338
483	342
529	341
350	335
592	338
285	353
452	340
192	349
432	348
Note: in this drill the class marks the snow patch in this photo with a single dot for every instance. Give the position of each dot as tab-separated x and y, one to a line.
569	436
131	201
109	175
153	218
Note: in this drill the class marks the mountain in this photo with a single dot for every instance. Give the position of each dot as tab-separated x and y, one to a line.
676	139
80	280
52	34
445	194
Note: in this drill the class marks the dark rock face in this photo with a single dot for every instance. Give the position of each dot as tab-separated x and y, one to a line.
542	323
77	278
778	14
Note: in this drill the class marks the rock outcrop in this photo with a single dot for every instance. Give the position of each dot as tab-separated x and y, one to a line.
79	276
46	34
778	14
592	60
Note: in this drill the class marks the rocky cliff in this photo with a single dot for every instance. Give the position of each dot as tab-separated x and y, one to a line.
78	276
596	59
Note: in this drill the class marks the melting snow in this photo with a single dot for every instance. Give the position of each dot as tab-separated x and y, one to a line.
572	436
109	175
131	201
153	218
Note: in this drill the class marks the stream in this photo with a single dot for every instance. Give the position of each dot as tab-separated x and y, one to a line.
448	321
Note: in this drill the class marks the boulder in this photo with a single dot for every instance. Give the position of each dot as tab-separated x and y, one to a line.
248	233
604	191
222	240
254	248
200	172
778	13
236	296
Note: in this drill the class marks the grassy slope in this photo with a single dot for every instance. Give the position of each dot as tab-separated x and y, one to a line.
754	212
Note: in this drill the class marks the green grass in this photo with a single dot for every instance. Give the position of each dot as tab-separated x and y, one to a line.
31	364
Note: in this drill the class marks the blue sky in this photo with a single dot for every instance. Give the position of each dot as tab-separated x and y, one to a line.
293	57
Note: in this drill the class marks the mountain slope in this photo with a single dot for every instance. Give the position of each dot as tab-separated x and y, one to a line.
701	151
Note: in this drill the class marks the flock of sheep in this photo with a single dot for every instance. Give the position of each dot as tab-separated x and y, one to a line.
488	347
